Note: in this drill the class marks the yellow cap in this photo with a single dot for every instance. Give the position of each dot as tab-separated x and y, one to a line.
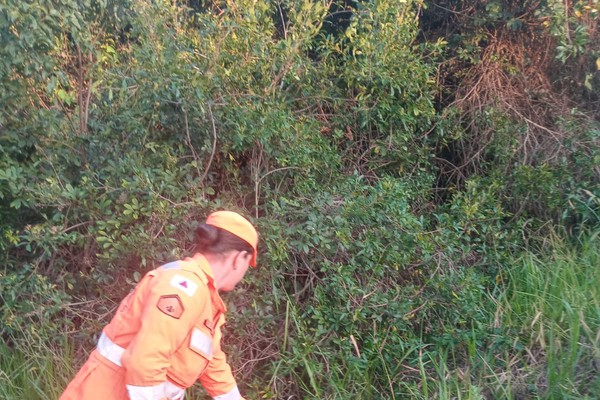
234	223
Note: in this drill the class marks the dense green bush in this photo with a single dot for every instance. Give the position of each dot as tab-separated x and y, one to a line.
396	169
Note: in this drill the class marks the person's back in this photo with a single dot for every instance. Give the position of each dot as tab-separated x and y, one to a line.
166	334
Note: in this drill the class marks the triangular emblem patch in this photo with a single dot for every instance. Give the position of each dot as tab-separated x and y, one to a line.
184	284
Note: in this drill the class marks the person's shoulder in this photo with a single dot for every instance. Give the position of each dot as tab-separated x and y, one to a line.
175	275
178	292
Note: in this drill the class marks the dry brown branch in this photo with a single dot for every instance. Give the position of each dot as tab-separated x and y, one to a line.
511	77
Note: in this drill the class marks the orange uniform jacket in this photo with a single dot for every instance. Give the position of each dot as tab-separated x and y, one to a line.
165	335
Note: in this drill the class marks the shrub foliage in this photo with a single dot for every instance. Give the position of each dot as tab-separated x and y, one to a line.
396	157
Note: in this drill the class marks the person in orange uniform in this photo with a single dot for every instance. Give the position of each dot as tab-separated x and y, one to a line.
166	333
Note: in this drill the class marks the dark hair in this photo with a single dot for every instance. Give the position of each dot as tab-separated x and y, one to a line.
215	240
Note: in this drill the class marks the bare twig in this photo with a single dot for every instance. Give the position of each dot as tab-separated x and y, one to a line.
86	115
70	228
257	185
185	203
283	24
214	145
83	105
189	140
567	30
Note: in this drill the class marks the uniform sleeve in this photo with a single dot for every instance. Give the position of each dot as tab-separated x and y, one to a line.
218	379
171	306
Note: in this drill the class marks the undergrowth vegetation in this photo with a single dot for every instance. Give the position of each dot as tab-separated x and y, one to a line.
424	176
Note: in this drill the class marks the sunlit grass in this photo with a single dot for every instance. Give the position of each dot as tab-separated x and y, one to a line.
549	314
542	342
554	304
32	370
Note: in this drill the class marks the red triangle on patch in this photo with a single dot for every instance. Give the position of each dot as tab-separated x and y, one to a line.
184	284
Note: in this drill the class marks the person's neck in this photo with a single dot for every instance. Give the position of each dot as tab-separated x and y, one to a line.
215	262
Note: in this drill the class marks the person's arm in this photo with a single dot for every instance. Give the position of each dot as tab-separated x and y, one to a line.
169	314
218	379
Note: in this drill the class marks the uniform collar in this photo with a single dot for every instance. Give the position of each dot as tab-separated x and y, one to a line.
200	262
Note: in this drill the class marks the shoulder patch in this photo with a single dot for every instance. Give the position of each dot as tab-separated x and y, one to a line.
171	305
184	284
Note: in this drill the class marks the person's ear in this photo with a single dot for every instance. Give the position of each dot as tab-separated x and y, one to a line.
243	258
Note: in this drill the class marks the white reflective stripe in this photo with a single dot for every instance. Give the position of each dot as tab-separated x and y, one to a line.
165	390
146	392
174	392
171	265
233	394
109	350
201	342
113	352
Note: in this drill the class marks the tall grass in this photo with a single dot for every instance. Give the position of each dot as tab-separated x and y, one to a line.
553	303
549	314
30	369
542	342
